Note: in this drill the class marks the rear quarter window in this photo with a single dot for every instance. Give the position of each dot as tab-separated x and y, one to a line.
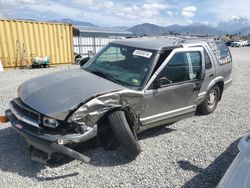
208	63
221	52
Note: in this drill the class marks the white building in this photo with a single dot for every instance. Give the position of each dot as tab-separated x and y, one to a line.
89	40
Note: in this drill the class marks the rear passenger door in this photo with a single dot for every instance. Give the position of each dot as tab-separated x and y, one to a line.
173	89
209	72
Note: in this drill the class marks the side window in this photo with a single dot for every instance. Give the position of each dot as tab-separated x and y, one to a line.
184	66
195	65
221	52
208	63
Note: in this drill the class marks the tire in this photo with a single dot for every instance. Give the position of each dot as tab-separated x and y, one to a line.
210	102
123	134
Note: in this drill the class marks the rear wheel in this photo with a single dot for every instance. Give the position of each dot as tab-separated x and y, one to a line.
123	134
210	102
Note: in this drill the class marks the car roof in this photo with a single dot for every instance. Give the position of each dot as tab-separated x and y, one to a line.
157	43
152	43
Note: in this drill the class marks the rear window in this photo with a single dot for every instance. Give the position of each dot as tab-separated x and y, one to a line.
221	52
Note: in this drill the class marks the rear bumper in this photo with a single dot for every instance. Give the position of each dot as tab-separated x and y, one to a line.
47	142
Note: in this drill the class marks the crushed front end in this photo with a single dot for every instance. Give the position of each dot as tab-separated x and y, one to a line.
47	134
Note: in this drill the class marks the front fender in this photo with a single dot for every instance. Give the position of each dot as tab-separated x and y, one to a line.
127	100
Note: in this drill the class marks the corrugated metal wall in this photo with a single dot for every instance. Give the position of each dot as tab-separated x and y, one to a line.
19	40
85	44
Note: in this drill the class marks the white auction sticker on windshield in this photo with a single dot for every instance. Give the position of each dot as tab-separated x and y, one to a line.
142	53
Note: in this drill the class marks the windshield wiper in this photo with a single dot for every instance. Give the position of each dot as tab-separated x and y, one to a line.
104	75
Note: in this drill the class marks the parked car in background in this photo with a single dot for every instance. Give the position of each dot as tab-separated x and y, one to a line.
248	43
236	44
126	88
244	43
239	43
229	43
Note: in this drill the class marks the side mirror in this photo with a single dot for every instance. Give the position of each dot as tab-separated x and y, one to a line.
159	82
83	61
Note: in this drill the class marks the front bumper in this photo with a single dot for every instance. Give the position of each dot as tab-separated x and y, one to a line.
50	143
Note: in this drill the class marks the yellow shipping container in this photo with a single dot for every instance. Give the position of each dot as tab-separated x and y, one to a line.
21	40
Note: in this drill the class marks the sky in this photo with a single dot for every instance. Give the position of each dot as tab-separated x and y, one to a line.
127	12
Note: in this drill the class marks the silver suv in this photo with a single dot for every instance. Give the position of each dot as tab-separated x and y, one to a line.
128	87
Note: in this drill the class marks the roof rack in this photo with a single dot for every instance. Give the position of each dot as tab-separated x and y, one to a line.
204	39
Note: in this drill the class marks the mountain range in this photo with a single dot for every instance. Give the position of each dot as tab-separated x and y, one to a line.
151	29
234	25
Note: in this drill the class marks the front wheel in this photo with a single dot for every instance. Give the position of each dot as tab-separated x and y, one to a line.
123	134
210	102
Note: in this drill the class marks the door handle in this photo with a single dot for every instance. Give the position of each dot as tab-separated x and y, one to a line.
211	75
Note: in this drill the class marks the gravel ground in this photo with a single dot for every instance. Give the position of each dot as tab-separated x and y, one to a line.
194	152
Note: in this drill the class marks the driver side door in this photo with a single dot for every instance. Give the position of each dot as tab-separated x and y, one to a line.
172	91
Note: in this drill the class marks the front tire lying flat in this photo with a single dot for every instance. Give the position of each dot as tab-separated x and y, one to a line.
123	134
210	102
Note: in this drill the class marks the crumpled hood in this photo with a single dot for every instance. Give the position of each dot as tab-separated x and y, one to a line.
56	94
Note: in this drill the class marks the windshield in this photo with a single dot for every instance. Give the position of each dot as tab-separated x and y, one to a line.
125	65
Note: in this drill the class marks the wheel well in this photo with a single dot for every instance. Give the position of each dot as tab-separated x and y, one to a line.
103	124
220	84
128	113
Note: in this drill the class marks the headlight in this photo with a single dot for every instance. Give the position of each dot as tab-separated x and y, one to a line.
50	122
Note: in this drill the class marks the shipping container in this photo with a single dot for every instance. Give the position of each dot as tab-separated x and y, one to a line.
22	40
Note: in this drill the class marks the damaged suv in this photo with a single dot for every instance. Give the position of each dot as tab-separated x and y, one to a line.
128	87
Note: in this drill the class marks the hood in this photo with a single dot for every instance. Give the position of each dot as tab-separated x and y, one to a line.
56	94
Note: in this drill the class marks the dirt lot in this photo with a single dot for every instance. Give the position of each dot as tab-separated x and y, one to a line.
191	153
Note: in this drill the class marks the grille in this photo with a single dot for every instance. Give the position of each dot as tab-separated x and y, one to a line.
26	114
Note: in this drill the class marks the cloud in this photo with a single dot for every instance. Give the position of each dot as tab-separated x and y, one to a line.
169	13
155	6
207	23
130	13
188	21
28	1
147	10
188	14
122	14
100	12
109	12
189	11
108	4
84	2
228	8
56	8
42	10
